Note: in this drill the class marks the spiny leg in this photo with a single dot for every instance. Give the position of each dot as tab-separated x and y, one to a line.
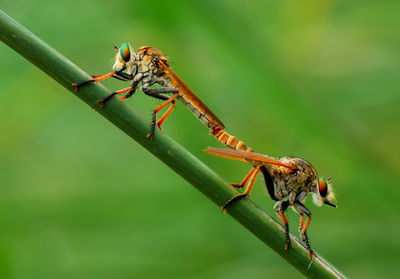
303	228
94	79
130	91
301	222
157	93
165	115
304	237
244	182
157	109
282	216
246	192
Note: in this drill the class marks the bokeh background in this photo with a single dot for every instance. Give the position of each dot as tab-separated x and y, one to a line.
316	79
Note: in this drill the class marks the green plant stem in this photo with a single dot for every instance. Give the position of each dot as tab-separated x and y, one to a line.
176	157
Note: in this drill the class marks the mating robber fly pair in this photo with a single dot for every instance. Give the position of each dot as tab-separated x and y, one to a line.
150	66
288	180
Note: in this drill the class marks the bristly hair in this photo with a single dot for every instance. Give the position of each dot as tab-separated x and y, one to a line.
331	195
317	199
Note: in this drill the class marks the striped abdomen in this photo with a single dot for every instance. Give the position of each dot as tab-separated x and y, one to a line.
230	141
193	103
198	111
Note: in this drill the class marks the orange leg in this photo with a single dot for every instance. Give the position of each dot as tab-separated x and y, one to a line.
103	101
166	114
95	79
304	236
244	182
301	222
161	106
282	216
103	77
246	192
306	224
123	90
157	109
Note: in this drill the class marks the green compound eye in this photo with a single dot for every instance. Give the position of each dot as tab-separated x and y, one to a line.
125	52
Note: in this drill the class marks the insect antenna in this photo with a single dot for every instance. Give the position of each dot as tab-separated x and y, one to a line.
114	46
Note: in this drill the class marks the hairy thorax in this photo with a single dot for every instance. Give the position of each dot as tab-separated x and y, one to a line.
148	66
296	183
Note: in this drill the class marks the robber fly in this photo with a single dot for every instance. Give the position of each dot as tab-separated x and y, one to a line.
150	66
293	178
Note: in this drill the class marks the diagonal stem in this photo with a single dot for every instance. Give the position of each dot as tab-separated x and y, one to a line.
167	150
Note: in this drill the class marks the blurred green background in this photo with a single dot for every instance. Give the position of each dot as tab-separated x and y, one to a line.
316	79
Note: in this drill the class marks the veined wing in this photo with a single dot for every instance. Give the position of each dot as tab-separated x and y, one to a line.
240	155
193	96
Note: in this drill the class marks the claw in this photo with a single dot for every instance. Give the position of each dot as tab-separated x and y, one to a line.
150	135
231	200
76	86
289	245
237	185
101	103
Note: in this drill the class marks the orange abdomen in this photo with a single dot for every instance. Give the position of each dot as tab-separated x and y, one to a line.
231	141
197	107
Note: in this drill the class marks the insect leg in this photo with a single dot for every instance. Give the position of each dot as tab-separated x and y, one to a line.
156	91
159	94
303	229
281	214
130	91
269	183
119	77
165	115
97	78
160	107
301	222
123	76
127	95
244	182
245	194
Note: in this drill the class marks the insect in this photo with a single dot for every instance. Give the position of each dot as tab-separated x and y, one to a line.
150	66
293	179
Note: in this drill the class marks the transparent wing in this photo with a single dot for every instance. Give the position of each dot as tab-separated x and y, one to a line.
193	96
